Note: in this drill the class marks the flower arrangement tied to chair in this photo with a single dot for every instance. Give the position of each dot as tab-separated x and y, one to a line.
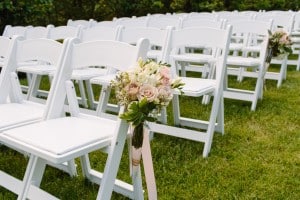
144	90
280	45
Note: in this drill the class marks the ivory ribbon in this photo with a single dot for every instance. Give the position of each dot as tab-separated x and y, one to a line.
148	165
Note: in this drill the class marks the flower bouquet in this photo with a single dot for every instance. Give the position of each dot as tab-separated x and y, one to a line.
280	45
144	90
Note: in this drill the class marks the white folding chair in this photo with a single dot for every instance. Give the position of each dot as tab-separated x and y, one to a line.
217	39
253	57
295	37
15	111
84	133
38	69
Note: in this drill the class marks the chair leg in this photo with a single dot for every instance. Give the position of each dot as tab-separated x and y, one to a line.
82	93
33	86
112	164
282	73
33	175
220	119
85	166
90	93
68	167
258	89
211	125
137	185
240	76
298	63
103	100
164	117
176	109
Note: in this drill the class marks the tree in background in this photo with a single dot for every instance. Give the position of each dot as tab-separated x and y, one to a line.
57	12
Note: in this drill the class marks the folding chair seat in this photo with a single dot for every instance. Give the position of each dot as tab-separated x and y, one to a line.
253	56
86	133
217	39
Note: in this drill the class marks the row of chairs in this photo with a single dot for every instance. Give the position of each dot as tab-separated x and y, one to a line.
51	138
159	38
237	65
288	20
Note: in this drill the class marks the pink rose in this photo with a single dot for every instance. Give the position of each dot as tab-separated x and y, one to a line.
149	92
132	90
284	39
165	72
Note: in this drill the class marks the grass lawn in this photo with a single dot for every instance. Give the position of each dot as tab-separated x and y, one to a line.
257	158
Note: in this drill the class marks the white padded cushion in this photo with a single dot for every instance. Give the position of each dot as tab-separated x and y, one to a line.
15	113
241	61
103	80
88	73
62	135
197	86
38	69
193	57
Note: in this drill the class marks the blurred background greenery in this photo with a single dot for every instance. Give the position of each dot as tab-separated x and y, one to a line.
57	12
